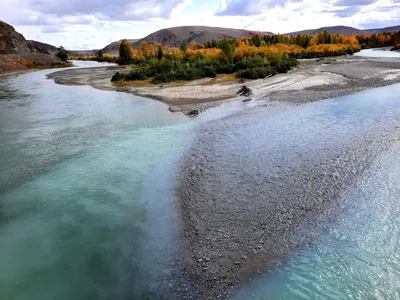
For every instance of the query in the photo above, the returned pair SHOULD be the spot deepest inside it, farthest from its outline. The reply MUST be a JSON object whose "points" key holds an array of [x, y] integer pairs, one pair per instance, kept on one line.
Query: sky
{"points": [[92, 24]]}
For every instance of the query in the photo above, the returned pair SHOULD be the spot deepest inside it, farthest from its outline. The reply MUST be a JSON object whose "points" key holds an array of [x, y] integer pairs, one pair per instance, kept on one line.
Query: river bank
{"points": [[315, 79], [11, 64]]}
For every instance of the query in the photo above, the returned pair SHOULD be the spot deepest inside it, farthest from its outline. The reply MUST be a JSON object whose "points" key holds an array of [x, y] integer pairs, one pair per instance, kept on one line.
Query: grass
{"points": [[222, 78]]}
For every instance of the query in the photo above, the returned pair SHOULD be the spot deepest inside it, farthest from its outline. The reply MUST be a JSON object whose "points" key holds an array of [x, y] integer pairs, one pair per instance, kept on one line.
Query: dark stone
{"points": [[244, 91], [193, 113]]}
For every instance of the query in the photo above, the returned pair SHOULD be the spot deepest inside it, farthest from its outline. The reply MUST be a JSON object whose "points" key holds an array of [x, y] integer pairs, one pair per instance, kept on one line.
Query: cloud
{"points": [[51, 12], [241, 8], [354, 2], [108, 10], [344, 12], [80, 24], [249, 8]]}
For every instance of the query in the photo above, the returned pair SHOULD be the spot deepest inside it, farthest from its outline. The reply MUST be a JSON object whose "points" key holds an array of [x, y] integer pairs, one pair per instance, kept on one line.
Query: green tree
{"points": [[160, 53], [125, 52], [227, 49], [183, 47], [62, 54], [100, 54]]}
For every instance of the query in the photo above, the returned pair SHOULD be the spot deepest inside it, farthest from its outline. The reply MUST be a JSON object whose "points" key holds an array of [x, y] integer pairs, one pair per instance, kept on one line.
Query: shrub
{"points": [[117, 76], [209, 71], [256, 73], [62, 54]]}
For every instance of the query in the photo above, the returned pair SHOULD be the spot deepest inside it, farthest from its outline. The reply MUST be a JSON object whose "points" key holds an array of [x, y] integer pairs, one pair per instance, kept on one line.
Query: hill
{"points": [[113, 48], [43, 47], [175, 36], [333, 29], [345, 30], [385, 29], [16, 53], [12, 42]]}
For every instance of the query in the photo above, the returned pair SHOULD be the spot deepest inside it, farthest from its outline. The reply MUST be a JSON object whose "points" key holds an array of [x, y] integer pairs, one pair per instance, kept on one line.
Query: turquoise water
{"points": [[85, 191], [359, 258], [87, 207]]}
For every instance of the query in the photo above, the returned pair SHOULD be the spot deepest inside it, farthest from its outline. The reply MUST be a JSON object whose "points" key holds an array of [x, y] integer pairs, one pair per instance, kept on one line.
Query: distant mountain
{"points": [[113, 48], [175, 36], [385, 29], [333, 29], [82, 52], [345, 30]]}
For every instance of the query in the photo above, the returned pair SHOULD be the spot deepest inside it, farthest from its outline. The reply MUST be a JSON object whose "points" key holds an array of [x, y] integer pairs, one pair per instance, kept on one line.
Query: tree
{"points": [[160, 53], [100, 54], [125, 52], [183, 47], [227, 49], [62, 54]]}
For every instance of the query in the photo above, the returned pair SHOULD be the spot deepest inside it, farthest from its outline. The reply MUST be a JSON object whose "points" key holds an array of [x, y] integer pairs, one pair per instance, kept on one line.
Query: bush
{"points": [[225, 68], [209, 71], [249, 62], [62, 54], [117, 76], [163, 78], [256, 73]]}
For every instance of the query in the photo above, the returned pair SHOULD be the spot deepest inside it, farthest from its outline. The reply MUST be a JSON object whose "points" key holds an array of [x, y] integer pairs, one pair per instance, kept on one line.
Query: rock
{"points": [[12, 42], [247, 100], [244, 91], [193, 113], [174, 108], [241, 80]]}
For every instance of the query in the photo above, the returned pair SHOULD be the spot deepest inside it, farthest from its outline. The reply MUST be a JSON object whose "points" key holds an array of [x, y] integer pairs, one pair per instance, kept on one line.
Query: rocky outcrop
{"points": [[17, 54], [12, 42]]}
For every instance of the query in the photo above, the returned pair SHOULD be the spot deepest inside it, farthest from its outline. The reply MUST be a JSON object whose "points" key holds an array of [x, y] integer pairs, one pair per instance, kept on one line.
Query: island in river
{"points": [[223, 241]]}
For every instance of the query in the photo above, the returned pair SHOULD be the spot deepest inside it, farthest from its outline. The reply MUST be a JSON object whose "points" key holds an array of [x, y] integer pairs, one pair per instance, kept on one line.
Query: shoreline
{"points": [[315, 79], [15, 64]]}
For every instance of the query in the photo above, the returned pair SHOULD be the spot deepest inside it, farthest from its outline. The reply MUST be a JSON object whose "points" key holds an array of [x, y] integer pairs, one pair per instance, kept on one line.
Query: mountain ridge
{"points": [[346, 30], [175, 36]]}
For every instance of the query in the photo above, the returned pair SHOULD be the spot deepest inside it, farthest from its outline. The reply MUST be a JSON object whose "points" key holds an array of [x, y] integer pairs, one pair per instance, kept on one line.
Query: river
{"points": [[87, 206]]}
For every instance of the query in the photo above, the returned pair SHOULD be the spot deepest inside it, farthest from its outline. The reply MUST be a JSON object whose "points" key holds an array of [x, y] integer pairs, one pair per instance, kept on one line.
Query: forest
{"points": [[257, 57]]}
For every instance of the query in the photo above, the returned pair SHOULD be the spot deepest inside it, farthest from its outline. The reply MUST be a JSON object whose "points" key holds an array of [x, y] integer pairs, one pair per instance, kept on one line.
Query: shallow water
{"points": [[377, 53], [358, 258], [85, 191], [86, 194]]}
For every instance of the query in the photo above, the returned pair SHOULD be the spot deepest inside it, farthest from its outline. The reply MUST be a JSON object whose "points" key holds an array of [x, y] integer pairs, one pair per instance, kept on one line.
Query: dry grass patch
{"points": [[224, 78]]}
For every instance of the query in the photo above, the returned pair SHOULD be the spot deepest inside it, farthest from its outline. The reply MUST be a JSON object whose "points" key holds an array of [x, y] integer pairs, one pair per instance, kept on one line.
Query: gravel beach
{"points": [[244, 210]]}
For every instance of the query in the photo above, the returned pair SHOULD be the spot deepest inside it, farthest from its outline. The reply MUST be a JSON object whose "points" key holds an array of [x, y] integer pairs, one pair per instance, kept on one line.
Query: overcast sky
{"points": [[92, 24]]}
